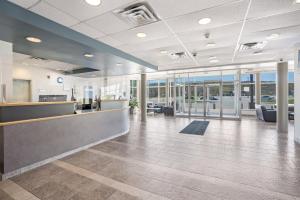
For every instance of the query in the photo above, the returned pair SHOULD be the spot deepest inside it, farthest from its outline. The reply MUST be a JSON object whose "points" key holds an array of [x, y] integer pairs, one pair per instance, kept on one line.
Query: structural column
{"points": [[143, 103], [257, 89], [6, 65], [297, 93], [282, 97]]}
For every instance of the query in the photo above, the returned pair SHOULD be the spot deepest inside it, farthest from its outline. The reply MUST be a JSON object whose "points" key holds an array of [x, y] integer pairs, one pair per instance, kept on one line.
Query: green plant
{"points": [[133, 103]]}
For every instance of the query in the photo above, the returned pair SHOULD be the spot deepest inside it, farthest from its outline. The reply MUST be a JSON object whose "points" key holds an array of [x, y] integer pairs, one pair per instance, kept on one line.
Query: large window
{"points": [[291, 87], [247, 91], [157, 90], [133, 89], [268, 88]]}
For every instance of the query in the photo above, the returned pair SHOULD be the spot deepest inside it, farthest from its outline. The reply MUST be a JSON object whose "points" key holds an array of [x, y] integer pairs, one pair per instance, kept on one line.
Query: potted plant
{"points": [[132, 105]]}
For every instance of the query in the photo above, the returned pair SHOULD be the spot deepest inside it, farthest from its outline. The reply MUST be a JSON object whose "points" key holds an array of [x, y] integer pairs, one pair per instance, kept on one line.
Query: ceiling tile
{"points": [[154, 31], [108, 23], [48, 11], [172, 8], [24, 3], [228, 31], [263, 8], [87, 30], [221, 16], [157, 45], [273, 22], [110, 41], [83, 11], [284, 33]]}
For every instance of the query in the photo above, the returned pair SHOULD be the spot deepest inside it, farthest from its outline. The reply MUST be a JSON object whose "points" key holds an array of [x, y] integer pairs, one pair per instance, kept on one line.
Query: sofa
{"points": [[267, 115]]}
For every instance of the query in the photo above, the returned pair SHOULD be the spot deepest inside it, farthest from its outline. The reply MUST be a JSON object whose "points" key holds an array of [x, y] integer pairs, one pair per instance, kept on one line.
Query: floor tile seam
{"points": [[215, 136], [200, 176], [20, 191], [175, 139], [226, 160], [108, 181], [116, 141], [251, 150]]}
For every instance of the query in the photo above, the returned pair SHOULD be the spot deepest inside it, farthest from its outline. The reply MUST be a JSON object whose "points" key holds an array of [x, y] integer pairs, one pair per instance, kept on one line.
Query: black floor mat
{"points": [[196, 128]]}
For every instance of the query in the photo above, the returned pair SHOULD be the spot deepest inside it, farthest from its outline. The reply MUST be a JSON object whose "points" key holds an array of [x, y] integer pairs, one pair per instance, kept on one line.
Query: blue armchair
{"points": [[267, 115]]}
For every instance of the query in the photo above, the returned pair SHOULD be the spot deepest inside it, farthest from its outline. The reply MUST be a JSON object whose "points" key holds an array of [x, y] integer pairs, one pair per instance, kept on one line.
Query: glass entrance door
{"points": [[208, 95], [182, 96], [212, 99], [197, 100]]}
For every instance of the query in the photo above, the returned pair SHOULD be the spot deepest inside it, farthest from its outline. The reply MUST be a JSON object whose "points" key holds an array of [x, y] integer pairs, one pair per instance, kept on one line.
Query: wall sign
{"points": [[60, 80]]}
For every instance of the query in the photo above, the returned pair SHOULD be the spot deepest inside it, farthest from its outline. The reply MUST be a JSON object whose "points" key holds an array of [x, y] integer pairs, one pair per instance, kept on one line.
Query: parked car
{"points": [[267, 98]]}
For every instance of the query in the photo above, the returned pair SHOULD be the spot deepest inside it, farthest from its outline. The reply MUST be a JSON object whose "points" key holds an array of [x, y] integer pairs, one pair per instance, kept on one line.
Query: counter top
{"points": [[34, 103], [57, 117]]}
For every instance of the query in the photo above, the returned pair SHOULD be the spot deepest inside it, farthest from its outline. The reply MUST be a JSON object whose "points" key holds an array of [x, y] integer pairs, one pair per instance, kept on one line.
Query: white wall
{"points": [[6, 62], [297, 95], [42, 85]]}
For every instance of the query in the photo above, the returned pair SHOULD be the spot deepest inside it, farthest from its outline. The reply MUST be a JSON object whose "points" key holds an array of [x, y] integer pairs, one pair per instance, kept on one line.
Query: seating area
{"points": [[269, 115]]}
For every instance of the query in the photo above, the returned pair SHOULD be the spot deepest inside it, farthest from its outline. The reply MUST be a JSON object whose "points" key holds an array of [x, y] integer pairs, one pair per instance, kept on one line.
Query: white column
{"points": [[6, 66], [282, 97], [143, 97], [257, 89], [297, 94]]}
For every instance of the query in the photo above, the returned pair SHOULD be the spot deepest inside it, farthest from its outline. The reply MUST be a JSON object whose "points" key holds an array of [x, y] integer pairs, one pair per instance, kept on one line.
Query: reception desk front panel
{"points": [[29, 142]]}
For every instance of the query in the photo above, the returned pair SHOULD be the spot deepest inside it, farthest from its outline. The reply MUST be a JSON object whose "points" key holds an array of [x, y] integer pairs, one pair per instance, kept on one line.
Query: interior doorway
{"points": [[21, 90]]}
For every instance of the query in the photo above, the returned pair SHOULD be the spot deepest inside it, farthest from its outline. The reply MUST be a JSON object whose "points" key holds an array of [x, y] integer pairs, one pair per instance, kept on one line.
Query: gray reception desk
{"points": [[26, 144]]}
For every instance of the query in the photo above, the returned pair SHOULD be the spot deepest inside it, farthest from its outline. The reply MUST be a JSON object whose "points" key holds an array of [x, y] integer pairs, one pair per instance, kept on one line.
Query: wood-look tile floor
{"points": [[234, 160]]}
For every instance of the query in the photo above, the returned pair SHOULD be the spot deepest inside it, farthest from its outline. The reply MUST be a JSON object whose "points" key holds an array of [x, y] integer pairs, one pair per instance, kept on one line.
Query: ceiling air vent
{"points": [[177, 55], [38, 58], [138, 14], [80, 71], [253, 46]]}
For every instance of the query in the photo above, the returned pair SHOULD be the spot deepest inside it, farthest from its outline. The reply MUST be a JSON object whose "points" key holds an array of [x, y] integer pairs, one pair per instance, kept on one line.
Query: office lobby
{"points": [[154, 99]]}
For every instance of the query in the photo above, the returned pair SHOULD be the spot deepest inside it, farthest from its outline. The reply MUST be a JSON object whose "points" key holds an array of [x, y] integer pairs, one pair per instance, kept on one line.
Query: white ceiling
{"points": [[178, 30], [26, 60]]}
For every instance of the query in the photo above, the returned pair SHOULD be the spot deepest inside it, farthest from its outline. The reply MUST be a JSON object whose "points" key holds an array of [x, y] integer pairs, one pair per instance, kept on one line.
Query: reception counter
{"points": [[32, 110], [26, 144]]}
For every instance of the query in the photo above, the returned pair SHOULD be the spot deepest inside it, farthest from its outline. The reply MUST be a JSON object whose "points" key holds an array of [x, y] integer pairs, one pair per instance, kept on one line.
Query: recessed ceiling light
{"points": [[273, 36], [141, 35], [119, 64], [88, 55], [33, 39], [93, 2], [214, 61], [204, 21], [163, 52], [211, 44], [297, 1], [212, 58]]}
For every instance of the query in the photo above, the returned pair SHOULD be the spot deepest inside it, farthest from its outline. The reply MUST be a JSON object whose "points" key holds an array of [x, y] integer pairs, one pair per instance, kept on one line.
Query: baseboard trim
{"points": [[44, 162]]}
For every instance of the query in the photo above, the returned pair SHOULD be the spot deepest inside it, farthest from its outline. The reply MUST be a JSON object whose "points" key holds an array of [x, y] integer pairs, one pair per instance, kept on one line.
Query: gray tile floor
{"points": [[233, 160]]}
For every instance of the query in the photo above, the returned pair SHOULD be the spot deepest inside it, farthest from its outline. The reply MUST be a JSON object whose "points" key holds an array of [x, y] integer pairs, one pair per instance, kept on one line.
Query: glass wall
{"points": [[207, 94], [248, 91], [291, 87], [216, 93], [157, 91], [230, 94], [133, 89], [182, 94], [268, 89]]}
